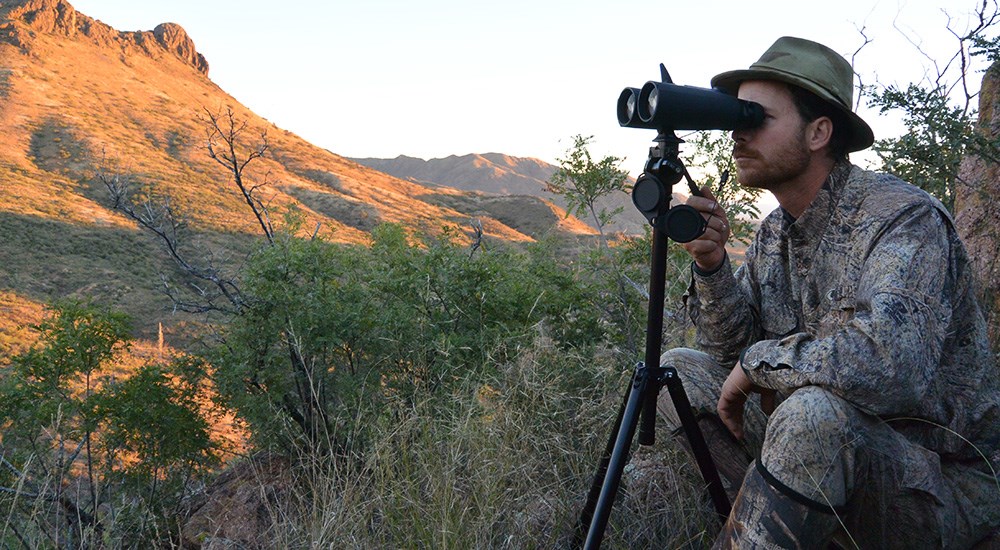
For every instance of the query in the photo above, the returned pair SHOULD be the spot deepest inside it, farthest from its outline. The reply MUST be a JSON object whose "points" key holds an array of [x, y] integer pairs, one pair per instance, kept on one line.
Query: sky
{"points": [[433, 78]]}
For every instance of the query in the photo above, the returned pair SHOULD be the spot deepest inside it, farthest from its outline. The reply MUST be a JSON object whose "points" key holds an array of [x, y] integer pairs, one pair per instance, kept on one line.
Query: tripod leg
{"points": [[698, 445], [587, 514], [610, 477]]}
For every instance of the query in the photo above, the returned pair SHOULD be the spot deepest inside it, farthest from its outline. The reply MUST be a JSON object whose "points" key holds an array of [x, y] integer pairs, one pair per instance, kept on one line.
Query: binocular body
{"points": [[667, 106]]}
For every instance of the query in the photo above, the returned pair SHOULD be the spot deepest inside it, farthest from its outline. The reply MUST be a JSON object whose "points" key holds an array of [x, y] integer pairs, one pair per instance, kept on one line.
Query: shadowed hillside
{"points": [[77, 96]]}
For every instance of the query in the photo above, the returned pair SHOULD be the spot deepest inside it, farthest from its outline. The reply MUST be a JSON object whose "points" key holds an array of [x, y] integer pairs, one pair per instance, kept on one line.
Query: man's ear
{"points": [[818, 133]]}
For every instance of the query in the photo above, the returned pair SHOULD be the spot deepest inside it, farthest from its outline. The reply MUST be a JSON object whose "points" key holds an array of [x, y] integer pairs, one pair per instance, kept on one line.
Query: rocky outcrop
{"points": [[22, 18], [174, 39], [977, 204], [49, 16]]}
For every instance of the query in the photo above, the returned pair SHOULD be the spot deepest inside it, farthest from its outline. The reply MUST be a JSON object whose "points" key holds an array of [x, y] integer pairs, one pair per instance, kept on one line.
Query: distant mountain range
{"points": [[496, 173], [489, 172]]}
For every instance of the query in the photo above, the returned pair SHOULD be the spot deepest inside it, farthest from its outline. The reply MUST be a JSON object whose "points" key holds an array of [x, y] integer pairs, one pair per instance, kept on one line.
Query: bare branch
{"points": [[160, 219], [854, 58], [227, 129], [477, 236], [985, 17]]}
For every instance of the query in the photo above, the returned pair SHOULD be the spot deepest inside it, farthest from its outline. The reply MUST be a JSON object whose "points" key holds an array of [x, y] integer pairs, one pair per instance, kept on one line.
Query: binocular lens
{"points": [[652, 100], [628, 103]]}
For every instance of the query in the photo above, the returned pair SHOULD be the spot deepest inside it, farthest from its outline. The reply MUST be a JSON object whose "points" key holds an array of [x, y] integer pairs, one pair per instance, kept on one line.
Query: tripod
{"points": [[651, 195]]}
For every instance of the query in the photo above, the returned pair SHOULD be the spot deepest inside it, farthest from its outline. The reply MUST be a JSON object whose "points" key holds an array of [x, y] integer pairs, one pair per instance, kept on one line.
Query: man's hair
{"points": [[810, 107]]}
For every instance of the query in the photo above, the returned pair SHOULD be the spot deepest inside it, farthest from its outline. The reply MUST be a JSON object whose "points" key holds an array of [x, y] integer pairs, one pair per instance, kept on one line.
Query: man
{"points": [[854, 311]]}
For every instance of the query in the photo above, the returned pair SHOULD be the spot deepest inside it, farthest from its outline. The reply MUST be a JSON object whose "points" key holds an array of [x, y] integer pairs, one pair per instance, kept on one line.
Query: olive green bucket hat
{"points": [[811, 66]]}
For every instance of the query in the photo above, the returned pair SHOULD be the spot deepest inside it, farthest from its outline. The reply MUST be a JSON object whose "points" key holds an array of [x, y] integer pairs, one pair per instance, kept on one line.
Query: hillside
{"points": [[77, 97], [499, 174]]}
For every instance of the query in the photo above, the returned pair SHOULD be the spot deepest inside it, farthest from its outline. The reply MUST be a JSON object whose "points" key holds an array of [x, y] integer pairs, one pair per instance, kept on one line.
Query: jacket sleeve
{"points": [[884, 357], [723, 310]]}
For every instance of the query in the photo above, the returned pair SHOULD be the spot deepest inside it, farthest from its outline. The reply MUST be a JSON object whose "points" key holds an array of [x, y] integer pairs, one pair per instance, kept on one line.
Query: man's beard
{"points": [[772, 174]]}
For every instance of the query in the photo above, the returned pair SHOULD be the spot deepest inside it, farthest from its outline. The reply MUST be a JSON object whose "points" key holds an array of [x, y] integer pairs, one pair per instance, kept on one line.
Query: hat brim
{"points": [[861, 135]]}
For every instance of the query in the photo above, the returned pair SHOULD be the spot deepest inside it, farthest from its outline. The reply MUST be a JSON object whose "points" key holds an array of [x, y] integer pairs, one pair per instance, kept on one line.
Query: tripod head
{"points": [[653, 191]]}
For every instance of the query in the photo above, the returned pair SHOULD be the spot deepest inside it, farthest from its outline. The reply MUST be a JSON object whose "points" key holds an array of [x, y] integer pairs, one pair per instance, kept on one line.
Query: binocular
{"points": [[666, 107]]}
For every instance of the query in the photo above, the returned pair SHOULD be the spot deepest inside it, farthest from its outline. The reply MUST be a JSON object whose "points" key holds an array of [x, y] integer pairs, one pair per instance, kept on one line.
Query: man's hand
{"points": [[709, 250], [735, 392]]}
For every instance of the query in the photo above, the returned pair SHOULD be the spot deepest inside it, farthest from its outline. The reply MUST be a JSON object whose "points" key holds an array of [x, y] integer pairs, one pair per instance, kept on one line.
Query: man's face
{"points": [[774, 154]]}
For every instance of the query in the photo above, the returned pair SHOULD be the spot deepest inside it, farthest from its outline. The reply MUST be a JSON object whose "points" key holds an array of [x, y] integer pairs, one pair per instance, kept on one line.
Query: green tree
{"points": [[939, 111], [584, 183], [586, 186], [938, 136], [79, 434]]}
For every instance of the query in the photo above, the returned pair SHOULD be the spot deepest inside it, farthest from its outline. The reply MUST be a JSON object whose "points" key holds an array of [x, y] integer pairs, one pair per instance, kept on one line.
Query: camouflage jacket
{"points": [[869, 295]]}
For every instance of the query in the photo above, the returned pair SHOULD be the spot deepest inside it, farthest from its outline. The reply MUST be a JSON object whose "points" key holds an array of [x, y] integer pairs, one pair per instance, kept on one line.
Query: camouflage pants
{"points": [[890, 492]]}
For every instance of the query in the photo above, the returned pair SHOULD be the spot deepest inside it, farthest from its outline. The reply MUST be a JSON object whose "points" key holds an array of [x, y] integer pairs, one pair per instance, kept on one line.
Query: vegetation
{"points": [[583, 182], [336, 333], [445, 397]]}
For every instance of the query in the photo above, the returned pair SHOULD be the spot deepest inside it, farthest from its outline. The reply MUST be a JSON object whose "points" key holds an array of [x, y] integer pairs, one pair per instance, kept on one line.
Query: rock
{"points": [[977, 208], [59, 17], [174, 39], [240, 508], [50, 16]]}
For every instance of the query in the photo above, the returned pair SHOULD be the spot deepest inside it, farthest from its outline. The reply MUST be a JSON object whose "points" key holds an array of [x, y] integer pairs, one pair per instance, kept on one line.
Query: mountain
{"points": [[499, 174], [78, 98], [490, 172]]}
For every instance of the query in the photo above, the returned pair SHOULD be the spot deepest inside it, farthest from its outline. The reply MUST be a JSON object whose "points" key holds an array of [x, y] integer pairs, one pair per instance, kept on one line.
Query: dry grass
{"points": [[508, 465]]}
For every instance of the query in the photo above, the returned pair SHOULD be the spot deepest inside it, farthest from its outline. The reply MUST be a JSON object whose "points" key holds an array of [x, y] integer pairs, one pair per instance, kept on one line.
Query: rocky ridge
{"points": [[24, 19]]}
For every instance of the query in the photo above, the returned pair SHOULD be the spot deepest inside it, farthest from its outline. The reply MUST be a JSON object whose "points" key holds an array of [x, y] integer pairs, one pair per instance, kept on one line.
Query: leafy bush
{"points": [[335, 333], [939, 112], [928, 154]]}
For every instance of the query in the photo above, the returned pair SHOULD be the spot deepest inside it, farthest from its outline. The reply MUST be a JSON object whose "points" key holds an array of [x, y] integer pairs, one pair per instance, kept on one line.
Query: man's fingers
{"points": [[733, 396], [713, 213], [706, 203], [719, 225], [731, 415]]}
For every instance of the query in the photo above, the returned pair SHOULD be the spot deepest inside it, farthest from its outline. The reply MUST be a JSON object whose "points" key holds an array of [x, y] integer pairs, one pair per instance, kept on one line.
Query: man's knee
{"points": [[810, 445], [810, 413], [684, 359]]}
